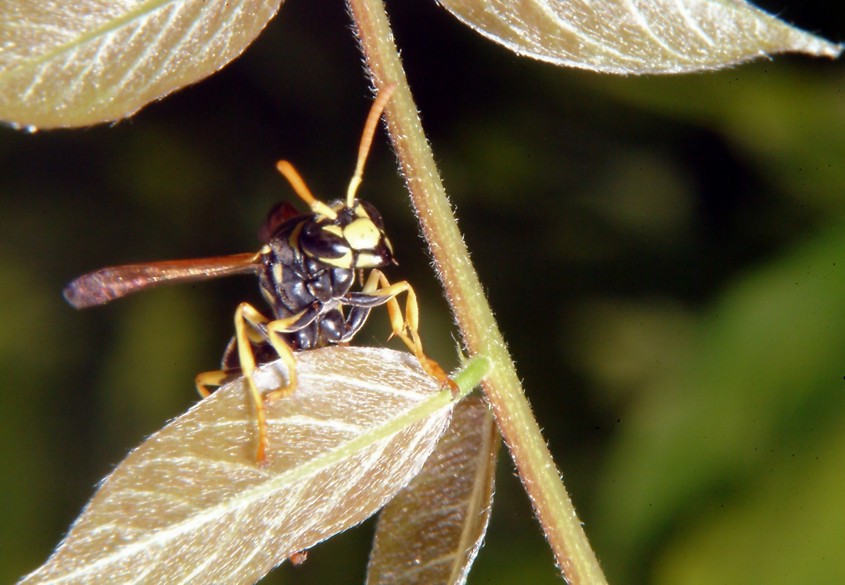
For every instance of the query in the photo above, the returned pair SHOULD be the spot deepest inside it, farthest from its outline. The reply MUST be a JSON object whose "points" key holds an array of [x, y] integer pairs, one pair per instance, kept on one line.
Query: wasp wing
{"points": [[114, 282]]}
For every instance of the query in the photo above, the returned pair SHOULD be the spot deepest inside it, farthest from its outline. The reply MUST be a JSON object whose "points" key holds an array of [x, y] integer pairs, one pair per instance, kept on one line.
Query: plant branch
{"points": [[480, 332]]}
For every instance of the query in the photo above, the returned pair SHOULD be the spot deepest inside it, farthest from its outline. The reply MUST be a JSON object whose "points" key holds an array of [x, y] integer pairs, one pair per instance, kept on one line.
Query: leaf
{"points": [[66, 64], [636, 36], [431, 532], [190, 505]]}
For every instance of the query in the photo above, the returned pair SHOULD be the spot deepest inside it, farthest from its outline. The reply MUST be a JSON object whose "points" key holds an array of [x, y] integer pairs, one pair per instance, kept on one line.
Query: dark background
{"points": [[666, 257]]}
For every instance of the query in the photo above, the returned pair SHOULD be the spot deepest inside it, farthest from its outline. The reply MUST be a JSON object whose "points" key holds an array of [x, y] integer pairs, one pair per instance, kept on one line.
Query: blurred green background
{"points": [[666, 257]]}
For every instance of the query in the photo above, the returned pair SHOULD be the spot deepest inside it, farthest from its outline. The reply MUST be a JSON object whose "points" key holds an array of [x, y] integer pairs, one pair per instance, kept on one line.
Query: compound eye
{"points": [[324, 242]]}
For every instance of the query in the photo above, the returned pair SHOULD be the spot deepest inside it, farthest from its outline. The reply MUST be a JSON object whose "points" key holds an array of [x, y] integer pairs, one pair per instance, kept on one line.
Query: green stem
{"points": [[481, 335]]}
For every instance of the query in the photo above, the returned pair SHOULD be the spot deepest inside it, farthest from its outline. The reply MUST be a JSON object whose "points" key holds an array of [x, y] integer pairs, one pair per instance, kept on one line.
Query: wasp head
{"points": [[351, 237]]}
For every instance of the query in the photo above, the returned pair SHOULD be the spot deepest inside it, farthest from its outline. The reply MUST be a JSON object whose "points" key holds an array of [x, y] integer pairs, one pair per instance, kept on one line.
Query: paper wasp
{"points": [[307, 270]]}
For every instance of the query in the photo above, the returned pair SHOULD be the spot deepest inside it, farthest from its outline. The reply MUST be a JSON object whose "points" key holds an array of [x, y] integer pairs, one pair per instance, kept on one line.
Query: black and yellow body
{"points": [[309, 266], [307, 270]]}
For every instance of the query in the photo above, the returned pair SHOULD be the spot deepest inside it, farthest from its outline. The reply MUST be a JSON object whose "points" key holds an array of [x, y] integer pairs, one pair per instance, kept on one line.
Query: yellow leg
{"points": [[274, 330], [406, 327], [206, 380], [245, 315], [248, 320]]}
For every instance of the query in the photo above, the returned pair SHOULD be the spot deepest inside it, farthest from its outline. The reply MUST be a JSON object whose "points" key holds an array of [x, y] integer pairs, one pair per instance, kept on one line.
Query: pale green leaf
{"points": [[191, 505], [636, 36], [431, 532], [65, 64]]}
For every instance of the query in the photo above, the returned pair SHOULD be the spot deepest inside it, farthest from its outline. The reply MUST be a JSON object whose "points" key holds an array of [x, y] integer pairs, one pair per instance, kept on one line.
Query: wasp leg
{"points": [[206, 380], [356, 318], [404, 327], [249, 325], [230, 367]]}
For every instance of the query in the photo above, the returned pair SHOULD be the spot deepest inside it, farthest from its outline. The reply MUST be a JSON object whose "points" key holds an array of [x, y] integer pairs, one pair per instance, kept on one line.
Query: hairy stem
{"points": [[481, 335]]}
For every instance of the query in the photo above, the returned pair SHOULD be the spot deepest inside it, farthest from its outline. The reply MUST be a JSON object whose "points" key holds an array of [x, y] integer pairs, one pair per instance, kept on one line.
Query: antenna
{"points": [[302, 190], [367, 140]]}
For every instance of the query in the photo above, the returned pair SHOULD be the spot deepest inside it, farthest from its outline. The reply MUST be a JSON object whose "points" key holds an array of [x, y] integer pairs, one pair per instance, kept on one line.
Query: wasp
{"points": [[307, 269]]}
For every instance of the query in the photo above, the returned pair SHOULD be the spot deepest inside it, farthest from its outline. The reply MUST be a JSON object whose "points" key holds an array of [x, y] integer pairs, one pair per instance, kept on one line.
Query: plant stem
{"points": [[481, 335]]}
